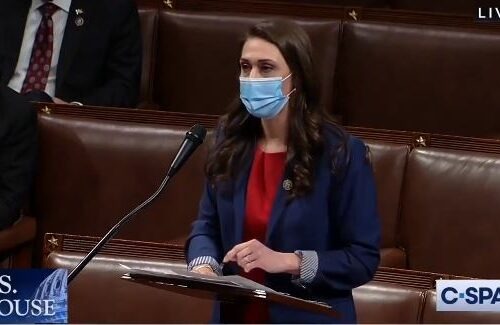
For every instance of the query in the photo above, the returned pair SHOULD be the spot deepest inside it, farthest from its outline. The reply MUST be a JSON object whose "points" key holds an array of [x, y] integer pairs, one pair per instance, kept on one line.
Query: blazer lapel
{"points": [[14, 36], [239, 198], [279, 206], [76, 25], [239, 202]]}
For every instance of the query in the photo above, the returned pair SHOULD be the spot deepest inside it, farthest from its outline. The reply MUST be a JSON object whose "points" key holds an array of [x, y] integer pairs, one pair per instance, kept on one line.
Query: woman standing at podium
{"points": [[290, 197]]}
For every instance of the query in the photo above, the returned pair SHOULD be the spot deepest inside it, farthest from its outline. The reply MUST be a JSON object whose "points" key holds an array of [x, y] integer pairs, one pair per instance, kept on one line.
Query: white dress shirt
{"points": [[32, 22]]}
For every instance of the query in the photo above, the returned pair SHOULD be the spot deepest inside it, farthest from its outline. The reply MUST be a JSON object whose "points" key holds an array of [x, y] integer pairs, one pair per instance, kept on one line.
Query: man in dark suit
{"points": [[17, 153], [81, 51]]}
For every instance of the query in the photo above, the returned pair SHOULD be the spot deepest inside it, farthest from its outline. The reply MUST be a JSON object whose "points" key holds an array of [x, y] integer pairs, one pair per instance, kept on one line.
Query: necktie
{"points": [[41, 55]]}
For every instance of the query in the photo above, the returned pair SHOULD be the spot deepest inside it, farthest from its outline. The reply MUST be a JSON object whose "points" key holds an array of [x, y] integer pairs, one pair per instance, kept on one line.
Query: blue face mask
{"points": [[263, 97]]}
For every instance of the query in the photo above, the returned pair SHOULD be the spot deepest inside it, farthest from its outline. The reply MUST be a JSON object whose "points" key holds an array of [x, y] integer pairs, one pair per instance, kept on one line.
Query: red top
{"points": [[265, 179]]}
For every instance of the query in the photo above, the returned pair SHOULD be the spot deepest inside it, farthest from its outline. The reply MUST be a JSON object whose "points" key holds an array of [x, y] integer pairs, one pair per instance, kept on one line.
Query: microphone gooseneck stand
{"points": [[112, 232]]}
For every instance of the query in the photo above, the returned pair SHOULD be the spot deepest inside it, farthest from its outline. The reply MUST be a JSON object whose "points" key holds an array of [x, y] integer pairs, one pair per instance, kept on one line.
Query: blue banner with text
{"points": [[34, 296]]}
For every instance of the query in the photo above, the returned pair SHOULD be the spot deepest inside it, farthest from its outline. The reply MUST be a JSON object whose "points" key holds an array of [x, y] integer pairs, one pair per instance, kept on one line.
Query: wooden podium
{"points": [[228, 289]]}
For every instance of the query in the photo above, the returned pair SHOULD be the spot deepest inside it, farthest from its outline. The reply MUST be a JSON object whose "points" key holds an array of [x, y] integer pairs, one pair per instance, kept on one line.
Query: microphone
{"points": [[194, 137]]}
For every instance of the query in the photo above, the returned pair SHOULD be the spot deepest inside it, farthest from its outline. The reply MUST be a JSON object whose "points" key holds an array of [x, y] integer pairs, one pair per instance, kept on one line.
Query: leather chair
{"points": [[389, 164], [198, 53], [109, 167], [462, 7], [149, 25], [450, 212], [99, 295], [396, 8], [114, 300], [410, 77], [387, 303], [386, 75]]}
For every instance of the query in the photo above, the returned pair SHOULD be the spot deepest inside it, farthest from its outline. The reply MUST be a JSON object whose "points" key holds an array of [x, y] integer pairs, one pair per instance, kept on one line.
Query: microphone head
{"points": [[197, 133], [194, 137]]}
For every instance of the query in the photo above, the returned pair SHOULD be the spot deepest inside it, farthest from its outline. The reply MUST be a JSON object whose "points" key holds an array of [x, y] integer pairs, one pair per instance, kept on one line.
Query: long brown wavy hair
{"points": [[239, 131]]}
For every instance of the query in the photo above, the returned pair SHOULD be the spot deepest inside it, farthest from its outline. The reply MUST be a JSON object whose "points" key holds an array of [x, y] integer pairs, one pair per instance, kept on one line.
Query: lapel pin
{"points": [[79, 21], [78, 11], [287, 185]]}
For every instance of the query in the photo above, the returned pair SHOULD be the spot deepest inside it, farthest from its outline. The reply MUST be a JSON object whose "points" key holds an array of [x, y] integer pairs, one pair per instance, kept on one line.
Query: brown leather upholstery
{"points": [[450, 212], [91, 172], [408, 77], [375, 8], [465, 7], [348, 3], [149, 26], [389, 163], [387, 75], [392, 256], [387, 303], [431, 316], [409, 278], [157, 4], [453, 13], [98, 295], [197, 67]]}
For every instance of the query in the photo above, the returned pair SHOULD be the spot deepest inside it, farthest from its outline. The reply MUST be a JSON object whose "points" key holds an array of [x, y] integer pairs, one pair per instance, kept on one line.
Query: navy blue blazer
{"points": [[338, 219]]}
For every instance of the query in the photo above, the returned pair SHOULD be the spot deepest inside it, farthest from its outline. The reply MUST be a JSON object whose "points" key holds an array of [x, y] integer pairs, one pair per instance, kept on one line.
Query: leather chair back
{"points": [[387, 303], [410, 77], [149, 25], [91, 172], [99, 295], [198, 58], [450, 212], [389, 164]]}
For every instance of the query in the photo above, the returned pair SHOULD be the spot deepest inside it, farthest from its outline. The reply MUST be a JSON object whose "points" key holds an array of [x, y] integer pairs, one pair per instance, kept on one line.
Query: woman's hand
{"points": [[59, 101], [253, 254], [204, 270]]}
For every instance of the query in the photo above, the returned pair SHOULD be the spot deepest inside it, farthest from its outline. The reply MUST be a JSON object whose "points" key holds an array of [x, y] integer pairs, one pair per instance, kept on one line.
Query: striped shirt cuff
{"points": [[206, 260], [308, 267]]}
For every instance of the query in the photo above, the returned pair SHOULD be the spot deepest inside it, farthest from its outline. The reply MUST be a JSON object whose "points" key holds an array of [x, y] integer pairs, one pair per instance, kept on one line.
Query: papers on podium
{"points": [[182, 273], [226, 288]]}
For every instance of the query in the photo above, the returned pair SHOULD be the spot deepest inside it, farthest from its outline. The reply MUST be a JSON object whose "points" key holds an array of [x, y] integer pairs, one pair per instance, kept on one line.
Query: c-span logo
{"points": [[33, 296], [468, 295]]}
